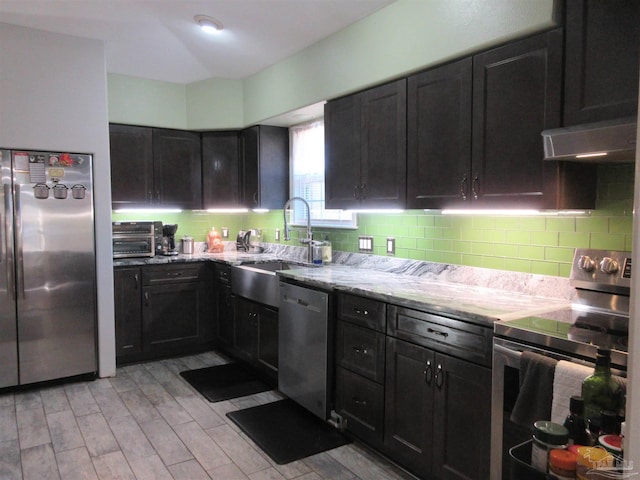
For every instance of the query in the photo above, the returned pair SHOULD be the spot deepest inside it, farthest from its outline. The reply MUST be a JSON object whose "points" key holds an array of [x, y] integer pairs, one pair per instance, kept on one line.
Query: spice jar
{"points": [[563, 464], [546, 437]]}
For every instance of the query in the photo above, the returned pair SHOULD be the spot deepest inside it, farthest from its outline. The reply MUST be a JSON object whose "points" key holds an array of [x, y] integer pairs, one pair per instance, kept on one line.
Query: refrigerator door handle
{"points": [[7, 245], [19, 251]]}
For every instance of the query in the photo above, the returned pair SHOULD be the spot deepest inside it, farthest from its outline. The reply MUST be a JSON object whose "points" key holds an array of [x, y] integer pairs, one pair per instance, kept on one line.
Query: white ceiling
{"points": [[159, 39]]}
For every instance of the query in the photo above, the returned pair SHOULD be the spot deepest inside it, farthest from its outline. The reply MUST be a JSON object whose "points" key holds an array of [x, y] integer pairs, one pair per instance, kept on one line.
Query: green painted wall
{"points": [[406, 36], [540, 244], [138, 101], [215, 104]]}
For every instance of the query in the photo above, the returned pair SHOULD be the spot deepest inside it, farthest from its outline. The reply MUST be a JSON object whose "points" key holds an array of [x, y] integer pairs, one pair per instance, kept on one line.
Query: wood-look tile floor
{"points": [[148, 423]]}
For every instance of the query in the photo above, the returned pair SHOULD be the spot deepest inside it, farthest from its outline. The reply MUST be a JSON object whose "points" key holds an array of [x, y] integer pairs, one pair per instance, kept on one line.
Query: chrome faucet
{"points": [[309, 238]]}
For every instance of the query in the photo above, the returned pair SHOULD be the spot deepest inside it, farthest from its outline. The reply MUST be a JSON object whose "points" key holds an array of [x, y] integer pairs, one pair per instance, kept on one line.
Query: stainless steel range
{"points": [[598, 317]]}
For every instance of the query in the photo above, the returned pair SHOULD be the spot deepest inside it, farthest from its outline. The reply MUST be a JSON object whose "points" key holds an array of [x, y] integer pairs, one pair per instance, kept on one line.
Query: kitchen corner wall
{"points": [[532, 244]]}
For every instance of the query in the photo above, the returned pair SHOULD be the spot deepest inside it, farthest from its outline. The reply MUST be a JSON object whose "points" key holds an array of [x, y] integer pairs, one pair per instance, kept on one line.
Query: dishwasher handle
{"points": [[301, 303]]}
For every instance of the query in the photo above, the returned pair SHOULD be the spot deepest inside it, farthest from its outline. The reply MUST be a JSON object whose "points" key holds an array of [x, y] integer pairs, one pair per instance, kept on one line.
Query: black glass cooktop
{"points": [[571, 331]]}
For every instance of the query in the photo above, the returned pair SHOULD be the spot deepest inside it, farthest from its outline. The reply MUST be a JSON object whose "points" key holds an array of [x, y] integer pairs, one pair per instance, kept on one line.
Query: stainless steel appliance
{"points": [[598, 317], [133, 239], [47, 267], [303, 348]]}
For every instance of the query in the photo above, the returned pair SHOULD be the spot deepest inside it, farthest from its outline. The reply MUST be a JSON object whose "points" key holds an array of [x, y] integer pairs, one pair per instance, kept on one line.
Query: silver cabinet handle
{"points": [[474, 187], [361, 350], [146, 299], [357, 401], [428, 373], [136, 280], [463, 188], [439, 376], [360, 312]]}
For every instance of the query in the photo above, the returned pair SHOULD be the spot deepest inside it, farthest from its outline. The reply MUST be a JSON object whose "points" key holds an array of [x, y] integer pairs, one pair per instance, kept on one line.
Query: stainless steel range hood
{"points": [[602, 142]]}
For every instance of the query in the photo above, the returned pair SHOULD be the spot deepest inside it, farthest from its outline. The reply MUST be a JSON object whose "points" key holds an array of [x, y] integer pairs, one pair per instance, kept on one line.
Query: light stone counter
{"points": [[477, 295]]}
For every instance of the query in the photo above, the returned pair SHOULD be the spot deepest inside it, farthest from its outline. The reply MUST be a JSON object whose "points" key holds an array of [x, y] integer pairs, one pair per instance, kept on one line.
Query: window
{"points": [[307, 178]]}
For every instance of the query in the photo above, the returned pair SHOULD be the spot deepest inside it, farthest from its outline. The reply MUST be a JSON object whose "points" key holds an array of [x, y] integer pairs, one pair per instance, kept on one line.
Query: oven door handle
{"points": [[513, 354]]}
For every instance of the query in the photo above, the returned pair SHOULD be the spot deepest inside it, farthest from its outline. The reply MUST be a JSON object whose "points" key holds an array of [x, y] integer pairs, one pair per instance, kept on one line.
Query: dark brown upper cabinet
{"points": [[602, 58], [473, 134], [264, 166], [439, 135], [155, 167], [131, 166], [220, 169], [365, 149], [516, 95]]}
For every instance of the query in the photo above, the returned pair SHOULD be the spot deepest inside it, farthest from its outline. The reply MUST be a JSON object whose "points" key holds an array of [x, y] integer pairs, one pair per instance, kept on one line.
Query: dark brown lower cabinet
{"points": [[256, 336], [437, 413], [163, 310], [128, 311], [361, 402]]}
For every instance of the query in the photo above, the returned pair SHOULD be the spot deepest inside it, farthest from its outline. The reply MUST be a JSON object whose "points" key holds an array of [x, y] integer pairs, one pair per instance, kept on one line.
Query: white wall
{"points": [[53, 96]]}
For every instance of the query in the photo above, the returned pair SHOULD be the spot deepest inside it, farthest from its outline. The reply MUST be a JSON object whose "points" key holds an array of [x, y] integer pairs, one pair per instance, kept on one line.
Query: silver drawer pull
{"points": [[360, 312], [437, 332], [357, 401], [361, 350]]}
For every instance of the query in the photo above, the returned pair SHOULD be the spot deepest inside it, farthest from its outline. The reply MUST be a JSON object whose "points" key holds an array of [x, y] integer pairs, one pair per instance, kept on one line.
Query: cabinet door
{"points": [[131, 166], [383, 148], [226, 327], [128, 311], [462, 422], [602, 57], [220, 169], [361, 402], [171, 317], [409, 408], [516, 95], [439, 136], [265, 166], [267, 354], [342, 152], [177, 168], [361, 350], [246, 334]]}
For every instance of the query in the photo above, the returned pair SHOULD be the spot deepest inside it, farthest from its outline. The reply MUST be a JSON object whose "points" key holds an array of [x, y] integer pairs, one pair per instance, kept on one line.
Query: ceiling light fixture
{"points": [[208, 24]]}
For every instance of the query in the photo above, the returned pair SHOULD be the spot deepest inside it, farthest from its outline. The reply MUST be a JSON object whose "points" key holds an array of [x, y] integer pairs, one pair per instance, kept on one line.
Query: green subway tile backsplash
{"points": [[539, 244]]}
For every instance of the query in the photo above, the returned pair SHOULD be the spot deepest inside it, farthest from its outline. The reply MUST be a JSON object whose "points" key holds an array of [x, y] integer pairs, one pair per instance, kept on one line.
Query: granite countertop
{"points": [[479, 305], [465, 293]]}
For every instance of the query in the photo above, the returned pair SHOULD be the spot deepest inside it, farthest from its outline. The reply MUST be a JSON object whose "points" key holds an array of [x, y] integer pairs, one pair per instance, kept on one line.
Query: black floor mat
{"points": [[286, 431], [224, 382]]}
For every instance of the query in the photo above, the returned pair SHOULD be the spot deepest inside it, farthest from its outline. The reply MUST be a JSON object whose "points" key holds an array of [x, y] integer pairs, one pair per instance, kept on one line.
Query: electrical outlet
{"points": [[277, 234], [365, 243], [391, 246], [225, 232]]}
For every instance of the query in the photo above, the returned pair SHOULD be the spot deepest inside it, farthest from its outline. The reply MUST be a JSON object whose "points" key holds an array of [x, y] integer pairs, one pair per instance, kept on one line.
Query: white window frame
{"points": [[306, 174]]}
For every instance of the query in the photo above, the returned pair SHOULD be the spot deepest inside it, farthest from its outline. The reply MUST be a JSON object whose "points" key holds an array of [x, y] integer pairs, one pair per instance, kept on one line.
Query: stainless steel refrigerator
{"points": [[47, 267]]}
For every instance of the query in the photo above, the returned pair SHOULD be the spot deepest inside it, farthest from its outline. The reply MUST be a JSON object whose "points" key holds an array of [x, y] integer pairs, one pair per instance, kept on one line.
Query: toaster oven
{"points": [[135, 239]]}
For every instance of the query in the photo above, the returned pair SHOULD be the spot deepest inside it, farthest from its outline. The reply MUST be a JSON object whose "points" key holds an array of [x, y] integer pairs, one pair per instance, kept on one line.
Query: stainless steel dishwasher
{"points": [[303, 349]]}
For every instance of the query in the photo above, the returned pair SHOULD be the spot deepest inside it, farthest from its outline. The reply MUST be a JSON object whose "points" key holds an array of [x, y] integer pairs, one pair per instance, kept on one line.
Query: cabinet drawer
{"points": [[361, 350], [361, 402], [457, 338], [362, 311], [180, 273]]}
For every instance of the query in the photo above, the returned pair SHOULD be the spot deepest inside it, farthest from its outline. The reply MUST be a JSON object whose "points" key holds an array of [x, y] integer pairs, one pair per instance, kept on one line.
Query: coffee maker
{"points": [[169, 239]]}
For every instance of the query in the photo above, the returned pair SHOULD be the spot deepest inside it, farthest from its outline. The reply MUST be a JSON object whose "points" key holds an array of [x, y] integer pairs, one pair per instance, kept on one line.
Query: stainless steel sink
{"points": [[259, 281]]}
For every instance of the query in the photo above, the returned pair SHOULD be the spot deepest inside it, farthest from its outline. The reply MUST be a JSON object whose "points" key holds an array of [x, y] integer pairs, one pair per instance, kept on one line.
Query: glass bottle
{"points": [[575, 422], [600, 390]]}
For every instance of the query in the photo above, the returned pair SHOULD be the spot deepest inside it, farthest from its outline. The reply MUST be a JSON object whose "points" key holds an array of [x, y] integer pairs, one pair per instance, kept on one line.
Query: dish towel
{"points": [[536, 389], [567, 382]]}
